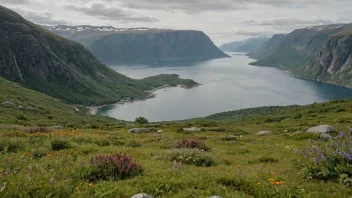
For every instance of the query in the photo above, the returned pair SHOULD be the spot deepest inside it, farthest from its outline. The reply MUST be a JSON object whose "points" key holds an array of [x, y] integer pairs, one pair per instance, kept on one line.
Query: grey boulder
{"points": [[141, 130], [8, 103], [141, 196], [321, 129], [215, 197], [192, 129], [264, 133]]}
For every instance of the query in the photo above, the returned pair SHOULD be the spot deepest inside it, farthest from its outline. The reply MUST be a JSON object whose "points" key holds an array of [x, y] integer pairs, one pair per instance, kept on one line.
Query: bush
{"points": [[41, 129], [102, 142], [114, 167], [190, 156], [192, 144], [268, 160], [330, 160], [57, 145], [141, 120], [39, 153], [15, 145], [134, 144]]}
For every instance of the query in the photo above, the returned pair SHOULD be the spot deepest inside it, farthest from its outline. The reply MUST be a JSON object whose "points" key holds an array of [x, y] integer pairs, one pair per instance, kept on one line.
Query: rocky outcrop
{"points": [[116, 46], [264, 133]]}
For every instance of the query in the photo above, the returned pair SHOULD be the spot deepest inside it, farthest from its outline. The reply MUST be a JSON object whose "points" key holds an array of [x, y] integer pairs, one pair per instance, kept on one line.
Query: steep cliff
{"points": [[43, 61], [141, 45], [320, 53]]}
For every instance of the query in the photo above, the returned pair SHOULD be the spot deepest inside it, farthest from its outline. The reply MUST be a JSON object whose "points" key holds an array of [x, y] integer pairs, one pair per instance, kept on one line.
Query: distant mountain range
{"points": [[140, 45], [43, 61], [248, 45], [322, 53]]}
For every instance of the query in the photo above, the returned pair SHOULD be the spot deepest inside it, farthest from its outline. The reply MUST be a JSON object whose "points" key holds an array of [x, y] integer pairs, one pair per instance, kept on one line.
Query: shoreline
{"points": [[93, 110]]}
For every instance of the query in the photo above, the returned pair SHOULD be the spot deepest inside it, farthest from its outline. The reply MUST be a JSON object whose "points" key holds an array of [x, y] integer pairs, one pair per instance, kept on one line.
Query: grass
{"points": [[240, 164]]}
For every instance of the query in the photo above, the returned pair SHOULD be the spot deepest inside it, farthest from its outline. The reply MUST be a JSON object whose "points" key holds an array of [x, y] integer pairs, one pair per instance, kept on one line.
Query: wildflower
{"points": [[258, 183], [49, 155], [8, 172], [273, 173], [271, 179]]}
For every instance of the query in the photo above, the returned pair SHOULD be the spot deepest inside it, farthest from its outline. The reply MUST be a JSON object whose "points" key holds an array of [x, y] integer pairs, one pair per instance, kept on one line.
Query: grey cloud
{"points": [[287, 24], [16, 2], [243, 32], [42, 17], [106, 11]]}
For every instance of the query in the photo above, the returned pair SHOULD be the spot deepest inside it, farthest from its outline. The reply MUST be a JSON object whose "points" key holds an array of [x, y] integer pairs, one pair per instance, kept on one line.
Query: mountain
{"points": [[141, 45], [41, 60], [320, 53], [248, 45]]}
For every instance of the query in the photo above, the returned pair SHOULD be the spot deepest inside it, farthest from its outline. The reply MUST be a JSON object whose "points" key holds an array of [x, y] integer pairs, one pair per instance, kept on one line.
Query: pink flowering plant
{"points": [[114, 167]]}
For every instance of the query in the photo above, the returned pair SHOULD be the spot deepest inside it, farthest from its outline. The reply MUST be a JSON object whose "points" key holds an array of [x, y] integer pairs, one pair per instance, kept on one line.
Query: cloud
{"points": [[244, 32], [287, 23], [16, 2], [109, 11], [43, 17]]}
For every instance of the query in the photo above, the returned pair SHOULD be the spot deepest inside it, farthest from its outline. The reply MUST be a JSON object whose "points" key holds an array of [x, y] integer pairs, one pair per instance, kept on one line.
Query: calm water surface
{"points": [[228, 84]]}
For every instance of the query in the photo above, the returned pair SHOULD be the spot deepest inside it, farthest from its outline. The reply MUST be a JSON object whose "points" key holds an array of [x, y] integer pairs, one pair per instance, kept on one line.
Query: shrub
{"points": [[141, 120], [192, 144], [39, 153], [114, 167], [268, 160], [15, 145], [330, 160], [134, 143], [2, 147], [57, 145], [229, 138], [102, 142], [190, 156]]}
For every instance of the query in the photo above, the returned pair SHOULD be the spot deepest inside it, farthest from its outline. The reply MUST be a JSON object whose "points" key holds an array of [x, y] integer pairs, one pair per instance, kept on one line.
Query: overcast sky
{"points": [[222, 20]]}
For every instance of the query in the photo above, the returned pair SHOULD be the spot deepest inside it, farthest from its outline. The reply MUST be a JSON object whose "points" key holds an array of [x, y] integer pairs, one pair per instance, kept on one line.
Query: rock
{"points": [[192, 129], [215, 197], [296, 133], [8, 103], [57, 127], [326, 136], [141, 130], [159, 131], [141, 196], [20, 107], [264, 133], [321, 129]]}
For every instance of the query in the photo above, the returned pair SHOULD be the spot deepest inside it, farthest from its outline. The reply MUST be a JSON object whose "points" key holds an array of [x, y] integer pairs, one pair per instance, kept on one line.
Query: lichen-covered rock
{"points": [[142, 130], [321, 129], [141, 195], [264, 133], [193, 129]]}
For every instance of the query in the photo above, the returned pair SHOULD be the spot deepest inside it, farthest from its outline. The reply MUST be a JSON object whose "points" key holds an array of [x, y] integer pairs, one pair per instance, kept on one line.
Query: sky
{"points": [[222, 20]]}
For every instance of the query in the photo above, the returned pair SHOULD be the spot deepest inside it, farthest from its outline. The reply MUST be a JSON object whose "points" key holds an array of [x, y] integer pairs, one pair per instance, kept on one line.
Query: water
{"points": [[228, 84]]}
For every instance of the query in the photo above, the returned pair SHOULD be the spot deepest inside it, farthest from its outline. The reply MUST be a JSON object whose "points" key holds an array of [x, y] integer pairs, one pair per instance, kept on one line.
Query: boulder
{"points": [[193, 129], [215, 197], [264, 133], [8, 103], [20, 107], [321, 129], [141, 196], [159, 131], [142, 130], [57, 127]]}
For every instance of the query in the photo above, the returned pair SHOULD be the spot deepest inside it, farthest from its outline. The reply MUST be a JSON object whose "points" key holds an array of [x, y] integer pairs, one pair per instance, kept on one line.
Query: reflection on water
{"points": [[228, 84]]}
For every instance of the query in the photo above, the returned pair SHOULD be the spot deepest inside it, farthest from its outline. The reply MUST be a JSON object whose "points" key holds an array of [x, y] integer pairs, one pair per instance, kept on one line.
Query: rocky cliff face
{"points": [[320, 53], [115, 46], [333, 62]]}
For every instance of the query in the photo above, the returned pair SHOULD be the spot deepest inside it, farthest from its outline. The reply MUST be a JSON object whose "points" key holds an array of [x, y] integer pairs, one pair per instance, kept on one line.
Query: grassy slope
{"points": [[43, 110], [235, 175]]}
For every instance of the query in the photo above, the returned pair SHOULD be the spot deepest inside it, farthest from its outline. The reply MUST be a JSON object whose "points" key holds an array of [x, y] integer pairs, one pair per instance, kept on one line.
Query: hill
{"points": [[248, 45], [41, 60], [141, 45], [320, 53]]}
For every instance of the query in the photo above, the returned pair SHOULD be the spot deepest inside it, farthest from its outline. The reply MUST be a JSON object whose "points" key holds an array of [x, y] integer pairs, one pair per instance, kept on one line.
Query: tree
{"points": [[141, 120]]}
